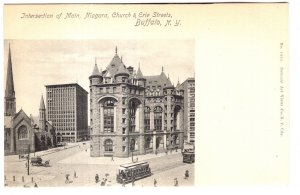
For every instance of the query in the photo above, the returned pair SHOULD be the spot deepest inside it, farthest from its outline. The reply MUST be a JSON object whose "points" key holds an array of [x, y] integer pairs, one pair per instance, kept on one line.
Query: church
{"points": [[22, 133], [132, 114]]}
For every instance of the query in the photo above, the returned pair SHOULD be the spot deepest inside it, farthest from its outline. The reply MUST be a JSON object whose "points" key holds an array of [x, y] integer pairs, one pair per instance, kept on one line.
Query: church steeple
{"points": [[42, 115], [9, 100]]}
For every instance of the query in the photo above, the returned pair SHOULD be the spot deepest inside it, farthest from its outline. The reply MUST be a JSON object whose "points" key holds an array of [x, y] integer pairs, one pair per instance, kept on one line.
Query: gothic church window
{"points": [[23, 132]]}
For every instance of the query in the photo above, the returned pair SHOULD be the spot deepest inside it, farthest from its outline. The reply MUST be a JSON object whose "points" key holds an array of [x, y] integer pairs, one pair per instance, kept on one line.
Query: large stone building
{"points": [[21, 133], [189, 109], [67, 109], [132, 114]]}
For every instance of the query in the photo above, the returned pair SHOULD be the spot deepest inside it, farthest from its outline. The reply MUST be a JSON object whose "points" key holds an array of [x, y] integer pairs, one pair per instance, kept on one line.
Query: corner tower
{"points": [[9, 99]]}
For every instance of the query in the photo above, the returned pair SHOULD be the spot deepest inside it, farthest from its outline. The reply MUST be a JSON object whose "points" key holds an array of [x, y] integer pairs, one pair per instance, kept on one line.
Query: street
{"points": [[81, 168]]}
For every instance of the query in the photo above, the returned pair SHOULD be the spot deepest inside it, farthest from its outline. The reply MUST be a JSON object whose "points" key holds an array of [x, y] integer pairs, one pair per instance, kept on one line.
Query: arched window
{"points": [[132, 111], [108, 145], [147, 119], [132, 145], [158, 118], [147, 142], [108, 115], [176, 111], [23, 132]]}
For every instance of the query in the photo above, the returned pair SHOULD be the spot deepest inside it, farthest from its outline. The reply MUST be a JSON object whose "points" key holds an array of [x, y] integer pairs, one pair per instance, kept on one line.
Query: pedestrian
{"points": [[123, 182], [26, 165], [166, 152], [67, 179], [103, 182], [186, 175], [137, 159], [133, 184], [175, 182], [97, 178], [112, 158], [154, 182], [75, 176], [35, 185]]}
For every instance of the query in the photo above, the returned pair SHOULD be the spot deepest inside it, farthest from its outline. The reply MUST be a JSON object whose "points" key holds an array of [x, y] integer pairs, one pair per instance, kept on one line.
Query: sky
{"points": [[37, 63]]}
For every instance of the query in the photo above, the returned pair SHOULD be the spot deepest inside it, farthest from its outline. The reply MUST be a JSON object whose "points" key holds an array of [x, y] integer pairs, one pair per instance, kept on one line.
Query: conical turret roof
{"points": [[139, 74], [96, 71]]}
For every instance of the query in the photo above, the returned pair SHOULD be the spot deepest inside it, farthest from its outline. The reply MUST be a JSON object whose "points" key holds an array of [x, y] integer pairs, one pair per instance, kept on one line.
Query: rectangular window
{"points": [[123, 148], [123, 130], [123, 110], [114, 89]]}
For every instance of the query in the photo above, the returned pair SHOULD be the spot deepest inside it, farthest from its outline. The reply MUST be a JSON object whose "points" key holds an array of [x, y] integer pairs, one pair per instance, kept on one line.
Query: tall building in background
{"points": [[67, 109], [189, 109]]}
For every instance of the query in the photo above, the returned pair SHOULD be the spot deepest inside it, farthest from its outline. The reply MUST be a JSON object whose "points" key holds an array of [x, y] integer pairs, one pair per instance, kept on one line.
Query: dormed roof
{"points": [[122, 70], [157, 80], [116, 65]]}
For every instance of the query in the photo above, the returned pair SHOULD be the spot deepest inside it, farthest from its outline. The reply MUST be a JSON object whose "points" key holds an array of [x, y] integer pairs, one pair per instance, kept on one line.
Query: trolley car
{"points": [[131, 172], [188, 156]]}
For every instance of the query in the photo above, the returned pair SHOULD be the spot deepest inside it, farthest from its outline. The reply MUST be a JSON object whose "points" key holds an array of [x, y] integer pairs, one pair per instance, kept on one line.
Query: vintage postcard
{"points": [[145, 95]]}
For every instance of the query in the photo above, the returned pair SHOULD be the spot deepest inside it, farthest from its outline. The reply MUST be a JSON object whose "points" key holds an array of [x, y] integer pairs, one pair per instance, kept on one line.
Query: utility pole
{"points": [[28, 159]]}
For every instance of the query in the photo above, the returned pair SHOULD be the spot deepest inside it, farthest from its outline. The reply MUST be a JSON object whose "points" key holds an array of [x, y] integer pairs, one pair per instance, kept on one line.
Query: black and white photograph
{"points": [[94, 113], [135, 96]]}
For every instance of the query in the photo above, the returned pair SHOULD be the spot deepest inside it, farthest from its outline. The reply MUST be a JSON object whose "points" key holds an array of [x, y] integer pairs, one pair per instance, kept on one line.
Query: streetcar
{"points": [[132, 172], [188, 153], [188, 156]]}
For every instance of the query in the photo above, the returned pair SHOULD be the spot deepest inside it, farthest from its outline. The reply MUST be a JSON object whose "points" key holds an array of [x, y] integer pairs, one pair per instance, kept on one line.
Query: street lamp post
{"points": [[28, 157]]}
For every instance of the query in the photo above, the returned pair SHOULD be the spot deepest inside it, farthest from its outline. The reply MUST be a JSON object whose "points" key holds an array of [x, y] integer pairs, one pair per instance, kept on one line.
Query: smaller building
{"points": [[67, 109]]}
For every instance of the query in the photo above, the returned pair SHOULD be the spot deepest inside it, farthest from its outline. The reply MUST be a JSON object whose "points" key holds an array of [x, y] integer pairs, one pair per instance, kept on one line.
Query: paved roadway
{"points": [[165, 168]]}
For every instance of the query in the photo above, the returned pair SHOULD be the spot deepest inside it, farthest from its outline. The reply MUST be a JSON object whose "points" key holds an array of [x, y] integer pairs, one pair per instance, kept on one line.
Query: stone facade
{"points": [[132, 114]]}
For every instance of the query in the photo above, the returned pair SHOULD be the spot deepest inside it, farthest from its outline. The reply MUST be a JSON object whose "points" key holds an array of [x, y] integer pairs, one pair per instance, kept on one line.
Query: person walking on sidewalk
{"points": [[97, 178], [75, 176], [154, 182], [186, 175], [67, 179], [175, 182]]}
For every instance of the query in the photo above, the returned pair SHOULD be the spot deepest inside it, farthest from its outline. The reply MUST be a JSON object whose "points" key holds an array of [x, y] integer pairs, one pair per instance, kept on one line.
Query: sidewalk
{"points": [[15, 158], [83, 157]]}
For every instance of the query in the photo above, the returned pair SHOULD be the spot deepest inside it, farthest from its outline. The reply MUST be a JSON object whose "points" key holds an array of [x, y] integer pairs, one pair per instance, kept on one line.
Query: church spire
{"points": [[42, 115], [9, 99], [10, 90], [42, 104]]}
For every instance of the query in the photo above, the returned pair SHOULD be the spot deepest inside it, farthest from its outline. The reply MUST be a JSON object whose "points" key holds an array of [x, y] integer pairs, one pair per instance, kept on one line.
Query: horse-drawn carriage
{"points": [[38, 161]]}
